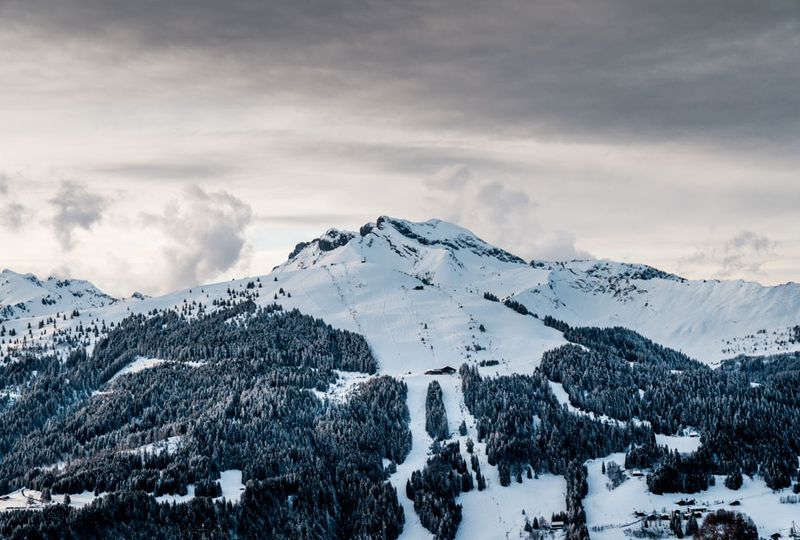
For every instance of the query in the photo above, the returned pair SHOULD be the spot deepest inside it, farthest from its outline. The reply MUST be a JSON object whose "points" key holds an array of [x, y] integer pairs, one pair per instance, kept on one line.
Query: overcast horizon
{"points": [[156, 145]]}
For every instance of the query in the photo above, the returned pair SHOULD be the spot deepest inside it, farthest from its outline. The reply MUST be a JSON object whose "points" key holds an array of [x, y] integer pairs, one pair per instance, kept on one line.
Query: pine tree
{"points": [[435, 413], [505, 474], [734, 480], [691, 526]]}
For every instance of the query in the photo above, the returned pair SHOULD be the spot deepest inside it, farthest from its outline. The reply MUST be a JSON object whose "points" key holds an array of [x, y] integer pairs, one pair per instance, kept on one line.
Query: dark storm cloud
{"points": [[722, 70], [75, 208]]}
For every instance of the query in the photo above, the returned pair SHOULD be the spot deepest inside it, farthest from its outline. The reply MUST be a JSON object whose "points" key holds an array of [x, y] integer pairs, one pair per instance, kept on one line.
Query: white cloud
{"points": [[506, 216], [205, 235], [743, 255]]}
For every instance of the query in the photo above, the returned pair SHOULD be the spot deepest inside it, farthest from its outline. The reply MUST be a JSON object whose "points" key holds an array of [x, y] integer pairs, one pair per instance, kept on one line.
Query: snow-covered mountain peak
{"points": [[329, 241], [431, 250], [436, 232], [27, 295], [623, 281]]}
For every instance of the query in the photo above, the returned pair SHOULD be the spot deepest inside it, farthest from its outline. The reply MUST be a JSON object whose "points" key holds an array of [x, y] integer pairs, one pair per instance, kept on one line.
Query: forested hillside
{"points": [[236, 392], [745, 428]]}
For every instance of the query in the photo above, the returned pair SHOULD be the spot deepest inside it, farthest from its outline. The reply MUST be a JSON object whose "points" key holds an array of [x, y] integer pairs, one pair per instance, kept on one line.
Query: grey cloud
{"points": [[75, 208], [4, 181], [720, 70], [14, 216], [164, 171], [710, 79], [451, 177], [505, 216], [748, 240], [205, 232], [746, 253], [325, 220], [404, 156]]}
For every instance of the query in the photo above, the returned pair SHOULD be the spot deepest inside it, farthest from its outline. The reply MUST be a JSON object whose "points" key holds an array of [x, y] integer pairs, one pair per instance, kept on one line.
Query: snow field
{"points": [[168, 445], [615, 509], [29, 499], [140, 364], [344, 386], [230, 482]]}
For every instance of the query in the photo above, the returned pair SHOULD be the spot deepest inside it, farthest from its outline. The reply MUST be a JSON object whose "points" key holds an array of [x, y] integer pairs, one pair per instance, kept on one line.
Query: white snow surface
{"points": [[140, 364], [30, 499], [707, 319], [683, 444], [415, 292], [344, 386], [168, 445], [230, 482]]}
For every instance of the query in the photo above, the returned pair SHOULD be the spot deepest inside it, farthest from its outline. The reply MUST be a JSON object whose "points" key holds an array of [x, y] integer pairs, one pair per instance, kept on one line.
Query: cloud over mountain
{"points": [[205, 234], [75, 208], [507, 216]]}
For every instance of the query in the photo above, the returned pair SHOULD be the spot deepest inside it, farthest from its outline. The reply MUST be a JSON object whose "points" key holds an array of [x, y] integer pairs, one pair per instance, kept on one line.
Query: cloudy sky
{"points": [[155, 144]]}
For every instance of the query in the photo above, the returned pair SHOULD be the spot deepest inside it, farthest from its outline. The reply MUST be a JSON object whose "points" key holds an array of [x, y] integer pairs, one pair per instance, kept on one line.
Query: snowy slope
{"points": [[610, 513], [415, 291], [707, 319]]}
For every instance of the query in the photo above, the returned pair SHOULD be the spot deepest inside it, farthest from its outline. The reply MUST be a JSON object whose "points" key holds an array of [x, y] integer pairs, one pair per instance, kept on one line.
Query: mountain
{"points": [[708, 319], [431, 295]]}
